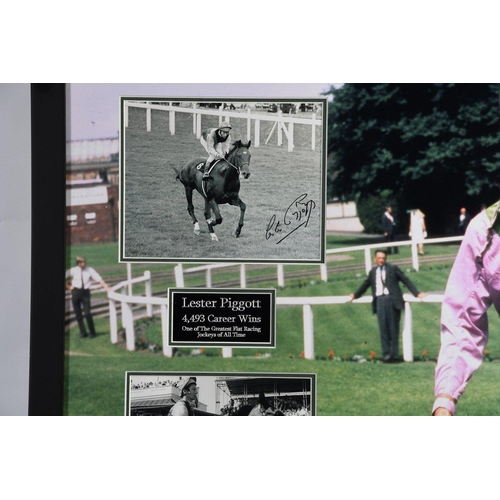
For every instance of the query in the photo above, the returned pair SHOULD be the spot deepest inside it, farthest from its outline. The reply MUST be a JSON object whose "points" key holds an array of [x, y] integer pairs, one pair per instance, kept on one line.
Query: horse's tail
{"points": [[177, 177]]}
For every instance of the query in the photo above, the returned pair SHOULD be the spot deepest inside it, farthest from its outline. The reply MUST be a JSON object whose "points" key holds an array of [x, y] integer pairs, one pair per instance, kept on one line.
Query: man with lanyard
{"points": [[473, 285], [217, 142], [189, 398], [81, 277], [387, 302]]}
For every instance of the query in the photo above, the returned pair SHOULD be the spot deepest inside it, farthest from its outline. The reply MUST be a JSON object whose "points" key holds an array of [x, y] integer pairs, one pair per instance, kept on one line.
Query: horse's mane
{"points": [[237, 145]]}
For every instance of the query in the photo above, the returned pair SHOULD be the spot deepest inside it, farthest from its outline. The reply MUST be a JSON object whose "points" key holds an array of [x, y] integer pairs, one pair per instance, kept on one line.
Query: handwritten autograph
{"points": [[299, 211]]}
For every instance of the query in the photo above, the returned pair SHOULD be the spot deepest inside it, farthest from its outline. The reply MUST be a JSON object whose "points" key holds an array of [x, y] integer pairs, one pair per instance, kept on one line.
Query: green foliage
{"points": [[435, 146], [371, 208]]}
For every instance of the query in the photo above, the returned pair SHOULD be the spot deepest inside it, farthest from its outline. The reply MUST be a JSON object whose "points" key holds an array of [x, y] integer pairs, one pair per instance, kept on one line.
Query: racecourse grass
{"points": [[95, 382], [95, 369]]}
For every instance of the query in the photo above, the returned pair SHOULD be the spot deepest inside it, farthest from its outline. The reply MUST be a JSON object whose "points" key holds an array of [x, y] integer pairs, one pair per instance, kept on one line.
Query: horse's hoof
{"points": [[197, 232], [214, 237]]}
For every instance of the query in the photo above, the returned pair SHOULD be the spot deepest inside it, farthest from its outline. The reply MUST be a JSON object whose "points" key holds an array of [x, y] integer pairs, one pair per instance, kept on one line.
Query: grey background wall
{"points": [[15, 247]]}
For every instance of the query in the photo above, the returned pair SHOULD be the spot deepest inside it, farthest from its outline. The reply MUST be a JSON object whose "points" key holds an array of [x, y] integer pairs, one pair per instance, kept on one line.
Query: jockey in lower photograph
{"points": [[217, 142]]}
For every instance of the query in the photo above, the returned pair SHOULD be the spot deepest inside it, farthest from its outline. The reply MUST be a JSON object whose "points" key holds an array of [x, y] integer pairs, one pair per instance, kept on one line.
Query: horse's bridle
{"points": [[238, 169]]}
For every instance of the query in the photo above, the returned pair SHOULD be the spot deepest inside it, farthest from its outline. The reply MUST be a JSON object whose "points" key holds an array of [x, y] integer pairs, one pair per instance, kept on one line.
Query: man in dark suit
{"points": [[389, 228], [387, 301]]}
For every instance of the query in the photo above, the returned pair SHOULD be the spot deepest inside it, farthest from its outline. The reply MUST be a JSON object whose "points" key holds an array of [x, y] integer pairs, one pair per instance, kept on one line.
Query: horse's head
{"points": [[240, 157]]}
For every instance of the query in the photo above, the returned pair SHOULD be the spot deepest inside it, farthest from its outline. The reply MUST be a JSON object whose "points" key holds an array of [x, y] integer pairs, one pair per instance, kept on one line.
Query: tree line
{"points": [[432, 146]]}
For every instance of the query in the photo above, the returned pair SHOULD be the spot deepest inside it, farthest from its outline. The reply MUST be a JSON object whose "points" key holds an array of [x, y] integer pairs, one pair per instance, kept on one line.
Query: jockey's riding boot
{"points": [[205, 171]]}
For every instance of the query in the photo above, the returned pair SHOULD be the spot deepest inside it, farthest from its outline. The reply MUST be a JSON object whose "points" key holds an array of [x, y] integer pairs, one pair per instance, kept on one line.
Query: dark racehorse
{"points": [[223, 185]]}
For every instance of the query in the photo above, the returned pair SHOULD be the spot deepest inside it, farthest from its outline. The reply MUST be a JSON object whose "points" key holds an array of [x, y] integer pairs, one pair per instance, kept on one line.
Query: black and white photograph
{"points": [[182, 394], [239, 180]]}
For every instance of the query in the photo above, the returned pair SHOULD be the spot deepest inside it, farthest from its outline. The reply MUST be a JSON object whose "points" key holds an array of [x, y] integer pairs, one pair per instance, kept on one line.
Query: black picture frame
{"points": [[48, 143]]}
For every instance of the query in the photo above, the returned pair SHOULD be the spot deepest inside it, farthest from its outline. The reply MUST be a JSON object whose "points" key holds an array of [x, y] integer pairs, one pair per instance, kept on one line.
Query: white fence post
{"points": [[171, 122], [257, 134], [227, 352], [167, 351], [313, 132], [408, 333], [113, 322], [368, 260], [129, 277], [308, 332], [179, 276], [128, 323], [243, 276], [194, 118], [209, 278], [414, 256], [149, 293], [148, 119], [280, 131], [290, 137], [324, 272], [249, 124], [198, 125], [281, 276]]}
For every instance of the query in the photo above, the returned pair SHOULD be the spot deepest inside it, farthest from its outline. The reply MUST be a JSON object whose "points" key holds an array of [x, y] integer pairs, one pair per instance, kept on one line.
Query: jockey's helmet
{"points": [[225, 126]]}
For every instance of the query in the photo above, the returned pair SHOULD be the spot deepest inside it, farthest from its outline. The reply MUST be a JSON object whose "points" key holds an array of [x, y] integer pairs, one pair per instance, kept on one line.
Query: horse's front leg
{"points": [[239, 203], [189, 197], [209, 206]]}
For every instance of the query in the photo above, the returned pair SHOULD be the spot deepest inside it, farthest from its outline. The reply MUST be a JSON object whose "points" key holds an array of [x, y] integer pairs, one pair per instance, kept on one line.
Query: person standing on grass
{"points": [[189, 399], [78, 281], [389, 228], [473, 286], [418, 229], [387, 302]]}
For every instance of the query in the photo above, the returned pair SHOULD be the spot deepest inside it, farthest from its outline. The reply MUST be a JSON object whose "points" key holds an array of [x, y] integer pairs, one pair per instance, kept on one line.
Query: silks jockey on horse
{"points": [[217, 143]]}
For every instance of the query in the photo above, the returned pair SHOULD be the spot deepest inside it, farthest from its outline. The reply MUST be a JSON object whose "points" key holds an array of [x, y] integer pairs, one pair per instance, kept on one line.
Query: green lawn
{"points": [[95, 369]]}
